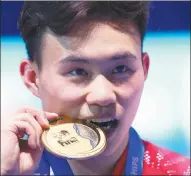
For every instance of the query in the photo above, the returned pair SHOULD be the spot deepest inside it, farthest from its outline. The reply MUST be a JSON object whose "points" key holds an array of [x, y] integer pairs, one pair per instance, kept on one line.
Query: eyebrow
{"points": [[82, 59]]}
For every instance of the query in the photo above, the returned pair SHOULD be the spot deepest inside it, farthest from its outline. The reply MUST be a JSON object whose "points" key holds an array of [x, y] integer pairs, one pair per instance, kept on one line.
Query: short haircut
{"points": [[62, 17]]}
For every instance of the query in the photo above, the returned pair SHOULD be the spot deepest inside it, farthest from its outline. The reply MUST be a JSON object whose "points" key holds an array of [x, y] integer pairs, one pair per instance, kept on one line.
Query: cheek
{"points": [[64, 93], [130, 94], [69, 93], [59, 95], [132, 87]]}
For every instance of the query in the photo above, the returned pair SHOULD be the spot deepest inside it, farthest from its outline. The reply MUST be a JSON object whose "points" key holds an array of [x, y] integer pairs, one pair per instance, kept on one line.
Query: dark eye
{"points": [[78, 72], [120, 69]]}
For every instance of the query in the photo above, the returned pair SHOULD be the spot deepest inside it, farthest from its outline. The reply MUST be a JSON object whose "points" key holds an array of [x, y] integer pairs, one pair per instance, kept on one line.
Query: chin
{"points": [[109, 151], [115, 144]]}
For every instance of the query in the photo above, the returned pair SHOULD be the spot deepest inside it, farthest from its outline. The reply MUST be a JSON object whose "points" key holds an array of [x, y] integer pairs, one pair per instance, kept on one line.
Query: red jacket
{"points": [[158, 161]]}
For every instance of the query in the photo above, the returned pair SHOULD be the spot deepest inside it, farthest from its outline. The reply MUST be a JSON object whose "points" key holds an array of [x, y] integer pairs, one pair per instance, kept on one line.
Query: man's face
{"points": [[101, 78]]}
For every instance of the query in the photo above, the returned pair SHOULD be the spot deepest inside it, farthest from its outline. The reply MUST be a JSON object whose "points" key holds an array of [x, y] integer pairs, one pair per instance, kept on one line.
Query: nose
{"points": [[100, 92]]}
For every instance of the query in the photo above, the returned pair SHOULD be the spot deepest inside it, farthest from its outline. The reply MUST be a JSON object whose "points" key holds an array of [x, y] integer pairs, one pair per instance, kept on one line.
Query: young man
{"points": [[85, 62]]}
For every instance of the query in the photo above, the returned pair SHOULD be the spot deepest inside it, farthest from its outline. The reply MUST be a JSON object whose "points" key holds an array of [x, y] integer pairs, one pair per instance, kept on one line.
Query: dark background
{"points": [[164, 16]]}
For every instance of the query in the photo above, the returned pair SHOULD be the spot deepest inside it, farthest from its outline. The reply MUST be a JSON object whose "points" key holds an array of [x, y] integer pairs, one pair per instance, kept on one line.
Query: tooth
{"points": [[106, 120], [101, 120]]}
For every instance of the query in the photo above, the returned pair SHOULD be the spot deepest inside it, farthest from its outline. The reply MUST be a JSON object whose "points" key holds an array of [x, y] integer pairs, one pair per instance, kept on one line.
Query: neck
{"points": [[100, 165], [92, 166]]}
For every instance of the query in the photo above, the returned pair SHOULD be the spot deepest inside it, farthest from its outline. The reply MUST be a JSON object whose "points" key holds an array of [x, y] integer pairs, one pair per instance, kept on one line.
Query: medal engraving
{"points": [[70, 141], [74, 140], [86, 133], [60, 135]]}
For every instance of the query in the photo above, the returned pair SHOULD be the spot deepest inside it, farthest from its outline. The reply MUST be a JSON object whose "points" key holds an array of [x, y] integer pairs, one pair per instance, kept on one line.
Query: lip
{"points": [[100, 117], [88, 118], [101, 120]]}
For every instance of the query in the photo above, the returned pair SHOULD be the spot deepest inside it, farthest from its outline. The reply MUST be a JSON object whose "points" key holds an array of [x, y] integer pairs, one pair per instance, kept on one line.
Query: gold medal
{"points": [[74, 139]]}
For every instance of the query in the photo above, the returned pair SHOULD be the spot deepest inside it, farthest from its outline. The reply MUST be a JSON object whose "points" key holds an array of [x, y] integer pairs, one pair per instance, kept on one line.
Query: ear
{"points": [[146, 64], [29, 74]]}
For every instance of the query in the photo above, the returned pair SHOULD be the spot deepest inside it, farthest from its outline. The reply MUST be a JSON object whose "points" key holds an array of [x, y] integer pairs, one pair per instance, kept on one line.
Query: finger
{"points": [[51, 115], [36, 126], [41, 116], [33, 111], [18, 127], [21, 135]]}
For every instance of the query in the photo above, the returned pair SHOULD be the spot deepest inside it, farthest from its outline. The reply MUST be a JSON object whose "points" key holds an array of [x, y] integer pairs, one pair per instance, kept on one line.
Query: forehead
{"points": [[102, 42]]}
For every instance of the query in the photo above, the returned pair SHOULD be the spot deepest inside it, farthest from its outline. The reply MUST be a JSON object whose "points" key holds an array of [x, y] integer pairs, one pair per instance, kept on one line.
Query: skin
{"points": [[104, 80], [16, 152]]}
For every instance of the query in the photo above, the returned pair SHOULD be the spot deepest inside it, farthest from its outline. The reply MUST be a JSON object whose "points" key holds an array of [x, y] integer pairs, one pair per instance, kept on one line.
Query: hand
{"points": [[20, 156]]}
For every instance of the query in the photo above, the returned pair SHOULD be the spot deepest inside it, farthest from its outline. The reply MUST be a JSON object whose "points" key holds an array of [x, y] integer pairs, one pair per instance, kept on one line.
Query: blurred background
{"points": [[164, 113]]}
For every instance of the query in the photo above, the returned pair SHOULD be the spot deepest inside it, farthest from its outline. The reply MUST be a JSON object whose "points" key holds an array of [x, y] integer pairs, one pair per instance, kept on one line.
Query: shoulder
{"points": [[163, 161]]}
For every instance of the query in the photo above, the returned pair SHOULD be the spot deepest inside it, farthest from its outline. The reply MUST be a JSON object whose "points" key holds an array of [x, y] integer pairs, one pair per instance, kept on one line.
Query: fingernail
{"points": [[46, 121], [46, 125], [54, 114]]}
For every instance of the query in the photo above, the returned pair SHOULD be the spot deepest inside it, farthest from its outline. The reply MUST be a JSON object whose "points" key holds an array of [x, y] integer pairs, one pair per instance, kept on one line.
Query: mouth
{"points": [[106, 125]]}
